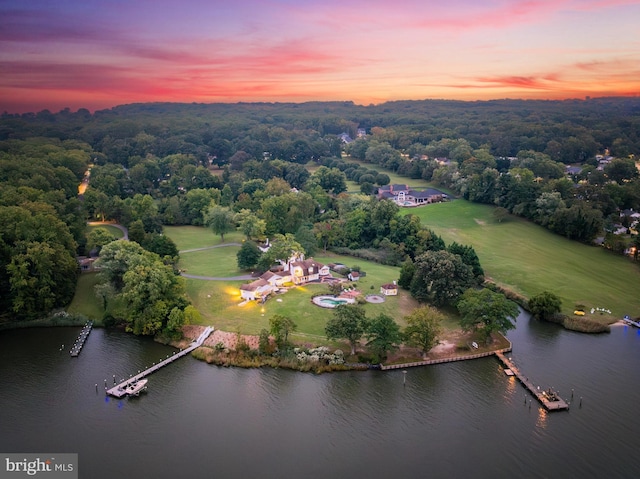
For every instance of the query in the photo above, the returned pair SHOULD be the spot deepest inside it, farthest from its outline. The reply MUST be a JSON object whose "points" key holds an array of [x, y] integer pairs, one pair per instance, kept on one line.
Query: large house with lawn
{"points": [[402, 195], [305, 270], [297, 271], [256, 290]]}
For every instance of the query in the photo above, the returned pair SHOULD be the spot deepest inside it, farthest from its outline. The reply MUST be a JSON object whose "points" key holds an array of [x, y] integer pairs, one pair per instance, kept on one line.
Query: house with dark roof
{"points": [[402, 195], [390, 289]]}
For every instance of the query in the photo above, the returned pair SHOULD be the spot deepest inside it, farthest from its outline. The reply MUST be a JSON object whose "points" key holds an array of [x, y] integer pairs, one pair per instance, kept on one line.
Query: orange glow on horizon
{"points": [[253, 51]]}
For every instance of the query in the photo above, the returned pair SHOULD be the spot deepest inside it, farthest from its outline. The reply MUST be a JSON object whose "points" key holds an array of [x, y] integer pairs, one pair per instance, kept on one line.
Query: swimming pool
{"points": [[327, 301]]}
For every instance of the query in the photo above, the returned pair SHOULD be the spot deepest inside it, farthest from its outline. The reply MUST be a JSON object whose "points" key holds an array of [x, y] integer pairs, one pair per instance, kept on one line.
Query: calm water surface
{"points": [[202, 421]]}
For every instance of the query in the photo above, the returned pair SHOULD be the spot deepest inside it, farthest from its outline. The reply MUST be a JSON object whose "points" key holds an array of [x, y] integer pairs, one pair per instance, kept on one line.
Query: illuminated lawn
{"points": [[218, 301], [529, 259]]}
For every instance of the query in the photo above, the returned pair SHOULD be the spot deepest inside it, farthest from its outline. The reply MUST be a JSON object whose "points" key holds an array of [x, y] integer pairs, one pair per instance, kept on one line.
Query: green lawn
{"points": [[211, 262], [85, 301], [191, 237], [529, 259], [218, 301]]}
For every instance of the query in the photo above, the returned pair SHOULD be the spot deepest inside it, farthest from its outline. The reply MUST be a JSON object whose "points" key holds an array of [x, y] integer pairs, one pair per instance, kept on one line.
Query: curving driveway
{"points": [[124, 230]]}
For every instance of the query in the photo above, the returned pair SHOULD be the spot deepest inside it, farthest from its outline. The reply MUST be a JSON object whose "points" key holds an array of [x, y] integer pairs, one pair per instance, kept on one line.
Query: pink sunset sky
{"points": [[96, 54]]}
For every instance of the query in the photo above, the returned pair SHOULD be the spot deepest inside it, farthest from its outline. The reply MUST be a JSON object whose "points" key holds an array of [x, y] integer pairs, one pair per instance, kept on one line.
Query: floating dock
{"points": [[120, 390], [630, 321], [548, 398], [82, 337]]}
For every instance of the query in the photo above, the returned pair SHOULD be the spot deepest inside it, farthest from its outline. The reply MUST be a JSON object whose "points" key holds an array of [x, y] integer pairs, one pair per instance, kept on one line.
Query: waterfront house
{"points": [[305, 270], [256, 290]]}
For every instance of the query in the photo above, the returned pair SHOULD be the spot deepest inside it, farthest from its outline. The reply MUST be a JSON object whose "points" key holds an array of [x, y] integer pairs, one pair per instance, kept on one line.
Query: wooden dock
{"points": [[429, 362], [548, 398], [119, 390], [82, 337]]}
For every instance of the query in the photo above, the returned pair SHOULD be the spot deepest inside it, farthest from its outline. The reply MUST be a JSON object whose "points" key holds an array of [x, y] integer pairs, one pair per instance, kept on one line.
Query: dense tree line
{"points": [[278, 169]]}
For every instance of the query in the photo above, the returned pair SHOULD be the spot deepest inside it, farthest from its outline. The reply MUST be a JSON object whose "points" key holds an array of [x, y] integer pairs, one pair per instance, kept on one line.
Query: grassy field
{"points": [[529, 259], [85, 301], [218, 301], [220, 262], [192, 237]]}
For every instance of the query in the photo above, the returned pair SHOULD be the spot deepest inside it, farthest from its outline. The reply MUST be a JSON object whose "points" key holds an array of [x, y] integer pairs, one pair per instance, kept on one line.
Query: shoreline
{"points": [[221, 349]]}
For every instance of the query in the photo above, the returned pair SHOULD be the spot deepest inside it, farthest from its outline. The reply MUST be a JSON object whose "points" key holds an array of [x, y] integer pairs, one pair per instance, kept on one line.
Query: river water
{"points": [[203, 421]]}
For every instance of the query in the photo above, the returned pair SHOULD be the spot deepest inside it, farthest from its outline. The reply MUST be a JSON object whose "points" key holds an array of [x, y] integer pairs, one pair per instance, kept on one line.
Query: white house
{"points": [[390, 289], [353, 276], [305, 270], [276, 278], [258, 289]]}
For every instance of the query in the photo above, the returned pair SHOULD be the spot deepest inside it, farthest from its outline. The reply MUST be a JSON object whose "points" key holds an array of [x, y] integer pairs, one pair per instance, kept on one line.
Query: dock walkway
{"points": [[428, 362], [82, 337], [549, 399], [631, 322], [119, 390]]}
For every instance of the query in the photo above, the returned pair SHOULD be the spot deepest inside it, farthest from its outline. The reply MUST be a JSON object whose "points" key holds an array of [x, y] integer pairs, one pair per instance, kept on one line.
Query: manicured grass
{"points": [[191, 237], [529, 259], [115, 232], [218, 301], [85, 301], [220, 262]]}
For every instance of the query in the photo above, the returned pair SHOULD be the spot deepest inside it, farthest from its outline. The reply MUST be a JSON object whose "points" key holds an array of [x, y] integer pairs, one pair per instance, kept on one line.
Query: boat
{"points": [[134, 389]]}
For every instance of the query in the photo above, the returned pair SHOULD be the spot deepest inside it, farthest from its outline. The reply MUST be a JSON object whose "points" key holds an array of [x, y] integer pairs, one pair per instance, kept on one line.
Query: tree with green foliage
{"points": [[161, 245], [97, 238], [469, 257], [136, 231], [424, 325], [147, 288], [282, 248], [248, 255], [383, 335], [486, 312], [331, 180], [440, 278], [347, 322], [251, 226], [42, 276], [264, 342], [304, 235], [220, 219], [280, 327], [407, 270], [544, 305]]}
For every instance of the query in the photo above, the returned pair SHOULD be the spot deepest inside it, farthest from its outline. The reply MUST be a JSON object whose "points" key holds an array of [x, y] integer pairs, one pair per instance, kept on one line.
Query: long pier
{"points": [[549, 399], [82, 337], [429, 362], [119, 390]]}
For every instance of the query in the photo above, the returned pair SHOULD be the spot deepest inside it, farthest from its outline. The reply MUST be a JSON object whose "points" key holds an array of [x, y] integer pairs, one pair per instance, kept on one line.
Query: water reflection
{"points": [[276, 423]]}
